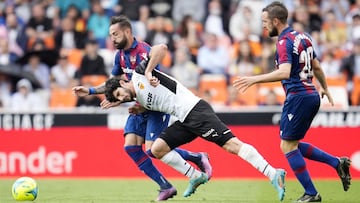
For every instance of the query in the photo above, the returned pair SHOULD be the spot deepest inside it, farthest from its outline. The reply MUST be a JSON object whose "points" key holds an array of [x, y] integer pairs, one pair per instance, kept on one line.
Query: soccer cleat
{"points": [[309, 198], [343, 170], [194, 183], [205, 165], [165, 194], [279, 183]]}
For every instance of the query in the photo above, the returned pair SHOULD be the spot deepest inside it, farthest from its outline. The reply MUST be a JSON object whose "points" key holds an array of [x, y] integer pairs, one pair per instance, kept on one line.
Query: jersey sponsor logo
{"points": [[149, 100], [290, 116], [211, 132], [127, 70]]}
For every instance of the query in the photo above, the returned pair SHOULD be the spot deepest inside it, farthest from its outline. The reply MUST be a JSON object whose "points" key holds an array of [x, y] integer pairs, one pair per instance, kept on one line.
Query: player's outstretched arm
{"points": [[243, 83]]}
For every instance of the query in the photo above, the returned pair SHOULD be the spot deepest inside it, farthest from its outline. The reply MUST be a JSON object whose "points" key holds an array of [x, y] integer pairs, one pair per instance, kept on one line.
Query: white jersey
{"points": [[169, 96]]}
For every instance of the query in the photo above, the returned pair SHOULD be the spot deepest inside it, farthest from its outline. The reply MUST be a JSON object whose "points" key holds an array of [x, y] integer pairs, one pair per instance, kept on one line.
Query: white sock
{"points": [[252, 156], [174, 160]]}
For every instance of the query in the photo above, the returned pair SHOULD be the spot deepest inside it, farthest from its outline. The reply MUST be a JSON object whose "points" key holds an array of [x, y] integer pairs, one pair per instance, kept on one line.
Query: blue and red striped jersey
{"points": [[297, 49]]}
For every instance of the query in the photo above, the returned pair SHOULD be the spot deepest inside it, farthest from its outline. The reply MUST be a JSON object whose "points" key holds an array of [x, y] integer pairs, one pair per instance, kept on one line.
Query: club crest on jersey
{"points": [[132, 59], [141, 85]]}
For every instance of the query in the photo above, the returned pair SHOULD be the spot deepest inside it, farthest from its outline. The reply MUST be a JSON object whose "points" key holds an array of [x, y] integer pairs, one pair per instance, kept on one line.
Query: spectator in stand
{"points": [[354, 9], [267, 62], [213, 58], [63, 73], [39, 69], [315, 17], [245, 63], [62, 7], [196, 9], [40, 28], [301, 16], [24, 99], [98, 24], [354, 28], [15, 35], [79, 21], [92, 63], [22, 10], [161, 34], [339, 7], [244, 18], [184, 70], [334, 33], [331, 65], [109, 7], [67, 37], [6, 55], [190, 32], [161, 8], [350, 66], [5, 89], [131, 8], [214, 22]]}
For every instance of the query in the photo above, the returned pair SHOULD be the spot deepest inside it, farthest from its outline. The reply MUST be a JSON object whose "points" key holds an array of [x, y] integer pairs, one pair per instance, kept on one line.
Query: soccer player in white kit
{"points": [[157, 91]]}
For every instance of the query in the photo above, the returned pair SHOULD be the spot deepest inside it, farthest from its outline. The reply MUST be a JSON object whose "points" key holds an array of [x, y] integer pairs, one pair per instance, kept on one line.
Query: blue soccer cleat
{"points": [[279, 183], [194, 183]]}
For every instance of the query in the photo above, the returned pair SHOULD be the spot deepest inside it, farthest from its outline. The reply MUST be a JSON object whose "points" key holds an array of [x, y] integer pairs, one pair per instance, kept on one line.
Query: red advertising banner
{"points": [[98, 152]]}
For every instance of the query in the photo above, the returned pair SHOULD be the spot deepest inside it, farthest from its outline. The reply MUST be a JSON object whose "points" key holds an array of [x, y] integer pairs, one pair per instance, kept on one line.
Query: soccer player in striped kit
{"points": [[296, 65]]}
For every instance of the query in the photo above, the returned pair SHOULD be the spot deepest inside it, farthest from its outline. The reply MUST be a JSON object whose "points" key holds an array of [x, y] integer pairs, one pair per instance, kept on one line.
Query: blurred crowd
{"points": [[48, 46]]}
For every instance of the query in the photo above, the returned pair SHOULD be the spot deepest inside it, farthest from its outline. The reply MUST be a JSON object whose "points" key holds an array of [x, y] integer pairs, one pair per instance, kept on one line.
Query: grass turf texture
{"points": [[142, 191]]}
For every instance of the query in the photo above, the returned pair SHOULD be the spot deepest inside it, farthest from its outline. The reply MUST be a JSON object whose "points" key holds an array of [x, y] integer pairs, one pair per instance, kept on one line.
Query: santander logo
{"points": [[37, 162]]}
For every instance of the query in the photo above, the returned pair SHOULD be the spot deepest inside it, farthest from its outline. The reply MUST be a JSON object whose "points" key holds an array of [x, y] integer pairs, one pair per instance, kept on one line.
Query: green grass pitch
{"points": [[143, 191]]}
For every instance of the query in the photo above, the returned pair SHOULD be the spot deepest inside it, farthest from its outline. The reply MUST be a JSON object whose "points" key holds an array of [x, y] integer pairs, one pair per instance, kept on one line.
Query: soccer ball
{"points": [[25, 189]]}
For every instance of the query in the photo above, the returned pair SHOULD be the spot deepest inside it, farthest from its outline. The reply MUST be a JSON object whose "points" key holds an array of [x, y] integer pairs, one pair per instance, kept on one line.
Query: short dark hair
{"points": [[277, 10], [110, 86], [122, 21]]}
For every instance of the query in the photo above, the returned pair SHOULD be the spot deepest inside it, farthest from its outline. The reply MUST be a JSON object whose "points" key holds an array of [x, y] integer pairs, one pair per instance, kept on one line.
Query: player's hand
{"points": [[80, 91], [105, 104], [243, 83], [154, 81], [326, 93], [136, 109]]}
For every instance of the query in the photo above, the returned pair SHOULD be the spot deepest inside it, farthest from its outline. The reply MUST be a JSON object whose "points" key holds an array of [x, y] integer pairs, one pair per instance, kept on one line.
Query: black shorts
{"points": [[201, 121]]}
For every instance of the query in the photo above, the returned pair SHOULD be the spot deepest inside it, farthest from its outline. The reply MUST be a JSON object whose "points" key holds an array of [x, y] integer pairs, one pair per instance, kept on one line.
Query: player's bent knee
{"points": [[159, 148], [233, 146]]}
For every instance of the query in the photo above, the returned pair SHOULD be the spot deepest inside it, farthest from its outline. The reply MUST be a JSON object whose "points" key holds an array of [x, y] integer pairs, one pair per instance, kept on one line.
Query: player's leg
{"points": [[293, 127], [249, 153], [157, 122], [172, 137], [214, 130], [133, 146], [340, 164]]}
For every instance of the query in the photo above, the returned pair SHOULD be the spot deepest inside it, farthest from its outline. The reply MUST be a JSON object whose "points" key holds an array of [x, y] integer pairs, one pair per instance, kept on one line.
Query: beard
{"points": [[130, 97], [122, 44], [273, 32]]}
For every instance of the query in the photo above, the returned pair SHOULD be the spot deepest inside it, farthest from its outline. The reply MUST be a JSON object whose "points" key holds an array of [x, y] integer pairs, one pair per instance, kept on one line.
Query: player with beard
{"points": [[143, 127], [296, 63]]}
